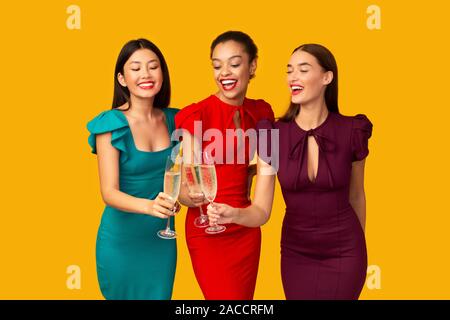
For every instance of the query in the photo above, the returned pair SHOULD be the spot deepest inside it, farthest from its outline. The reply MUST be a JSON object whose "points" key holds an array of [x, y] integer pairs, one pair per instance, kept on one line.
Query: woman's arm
{"points": [[357, 195], [258, 213], [108, 168]]}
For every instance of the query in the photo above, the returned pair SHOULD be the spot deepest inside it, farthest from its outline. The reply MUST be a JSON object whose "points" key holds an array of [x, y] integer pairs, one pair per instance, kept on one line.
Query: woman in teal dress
{"points": [[132, 142]]}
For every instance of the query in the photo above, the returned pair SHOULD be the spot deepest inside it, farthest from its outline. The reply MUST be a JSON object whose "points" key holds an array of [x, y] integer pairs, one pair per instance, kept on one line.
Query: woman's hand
{"points": [[163, 206], [197, 198], [220, 213]]}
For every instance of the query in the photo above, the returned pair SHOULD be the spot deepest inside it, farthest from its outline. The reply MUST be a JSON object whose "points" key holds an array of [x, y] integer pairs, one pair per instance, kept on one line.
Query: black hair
{"points": [[122, 94], [239, 37]]}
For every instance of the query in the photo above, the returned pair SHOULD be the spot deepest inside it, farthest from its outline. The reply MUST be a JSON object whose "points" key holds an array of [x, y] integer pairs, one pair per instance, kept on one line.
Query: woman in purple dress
{"points": [[321, 173]]}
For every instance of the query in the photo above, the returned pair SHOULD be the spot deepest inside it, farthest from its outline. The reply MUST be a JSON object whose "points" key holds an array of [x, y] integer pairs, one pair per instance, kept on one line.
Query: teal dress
{"points": [[132, 261]]}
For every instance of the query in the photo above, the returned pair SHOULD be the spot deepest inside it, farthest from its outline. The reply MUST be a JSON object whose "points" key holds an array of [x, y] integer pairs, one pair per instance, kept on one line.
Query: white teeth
{"points": [[226, 82], [296, 88], [146, 85]]}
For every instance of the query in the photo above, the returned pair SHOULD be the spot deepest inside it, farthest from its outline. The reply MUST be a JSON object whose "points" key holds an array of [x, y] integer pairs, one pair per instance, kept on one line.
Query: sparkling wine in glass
{"points": [[208, 182], [192, 173], [172, 181]]}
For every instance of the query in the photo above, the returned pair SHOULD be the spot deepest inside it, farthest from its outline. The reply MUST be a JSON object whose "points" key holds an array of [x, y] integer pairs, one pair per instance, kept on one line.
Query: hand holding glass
{"points": [[208, 182], [192, 173], [172, 180]]}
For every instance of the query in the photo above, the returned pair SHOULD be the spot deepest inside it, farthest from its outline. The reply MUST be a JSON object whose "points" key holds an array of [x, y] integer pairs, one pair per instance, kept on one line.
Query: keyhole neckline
{"points": [[244, 103]]}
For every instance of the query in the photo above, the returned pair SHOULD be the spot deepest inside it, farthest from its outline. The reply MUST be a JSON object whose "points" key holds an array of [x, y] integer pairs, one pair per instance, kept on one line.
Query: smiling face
{"points": [[142, 74], [232, 71], [307, 80]]}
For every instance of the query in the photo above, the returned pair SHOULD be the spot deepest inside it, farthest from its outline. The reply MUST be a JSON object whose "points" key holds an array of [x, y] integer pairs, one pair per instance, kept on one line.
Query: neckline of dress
{"points": [[132, 137], [316, 128], [244, 103]]}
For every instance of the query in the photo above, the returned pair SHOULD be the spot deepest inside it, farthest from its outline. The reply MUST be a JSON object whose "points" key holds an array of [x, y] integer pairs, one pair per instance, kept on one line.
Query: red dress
{"points": [[225, 264]]}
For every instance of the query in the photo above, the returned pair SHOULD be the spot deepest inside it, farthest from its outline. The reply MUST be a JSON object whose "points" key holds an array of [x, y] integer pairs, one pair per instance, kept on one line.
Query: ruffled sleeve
{"points": [[263, 110], [186, 117], [361, 132], [110, 121]]}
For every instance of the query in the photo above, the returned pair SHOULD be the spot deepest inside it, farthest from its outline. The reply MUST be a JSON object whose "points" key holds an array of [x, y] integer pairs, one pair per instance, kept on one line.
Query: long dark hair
{"points": [[122, 94], [328, 63]]}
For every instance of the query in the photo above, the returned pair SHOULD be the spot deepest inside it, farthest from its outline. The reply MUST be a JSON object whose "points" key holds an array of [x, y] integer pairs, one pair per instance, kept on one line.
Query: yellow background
{"points": [[54, 80]]}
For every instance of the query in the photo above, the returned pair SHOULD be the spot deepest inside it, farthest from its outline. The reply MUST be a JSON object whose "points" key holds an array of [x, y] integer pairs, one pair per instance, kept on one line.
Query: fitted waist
{"points": [[339, 233], [142, 187], [129, 224], [232, 184], [314, 219], [316, 201]]}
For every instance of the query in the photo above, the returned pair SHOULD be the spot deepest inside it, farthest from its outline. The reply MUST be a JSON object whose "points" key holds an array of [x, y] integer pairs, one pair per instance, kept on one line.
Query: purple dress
{"points": [[323, 248]]}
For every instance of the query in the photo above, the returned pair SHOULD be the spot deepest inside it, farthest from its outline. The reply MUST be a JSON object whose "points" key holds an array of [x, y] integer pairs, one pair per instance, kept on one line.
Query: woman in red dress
{"points": [[225, 264]]}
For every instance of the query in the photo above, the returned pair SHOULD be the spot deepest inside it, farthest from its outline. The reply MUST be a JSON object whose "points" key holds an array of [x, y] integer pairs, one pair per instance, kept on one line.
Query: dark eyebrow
{"points": [[300, 64], [236, 56], [153, 60]]}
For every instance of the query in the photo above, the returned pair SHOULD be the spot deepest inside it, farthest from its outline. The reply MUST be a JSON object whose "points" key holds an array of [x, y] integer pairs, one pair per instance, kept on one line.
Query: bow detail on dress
{"points": [[299, 148]]}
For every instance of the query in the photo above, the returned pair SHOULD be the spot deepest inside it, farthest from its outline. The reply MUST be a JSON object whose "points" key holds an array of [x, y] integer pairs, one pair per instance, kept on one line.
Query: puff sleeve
{"points": [[110, 121], [263, 116], [264, 129], [263, 111], [186, 117], [361, 132]]}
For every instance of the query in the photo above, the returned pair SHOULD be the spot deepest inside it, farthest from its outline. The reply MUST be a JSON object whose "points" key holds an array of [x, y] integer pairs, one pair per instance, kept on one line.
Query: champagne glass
{"points": [[192, 173], [208, 182], [172, 181]]}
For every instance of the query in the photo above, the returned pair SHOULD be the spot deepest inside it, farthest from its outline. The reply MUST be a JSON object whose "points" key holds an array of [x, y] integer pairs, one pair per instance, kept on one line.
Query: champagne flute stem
{"points": [[212, 205], [168, 224]]}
